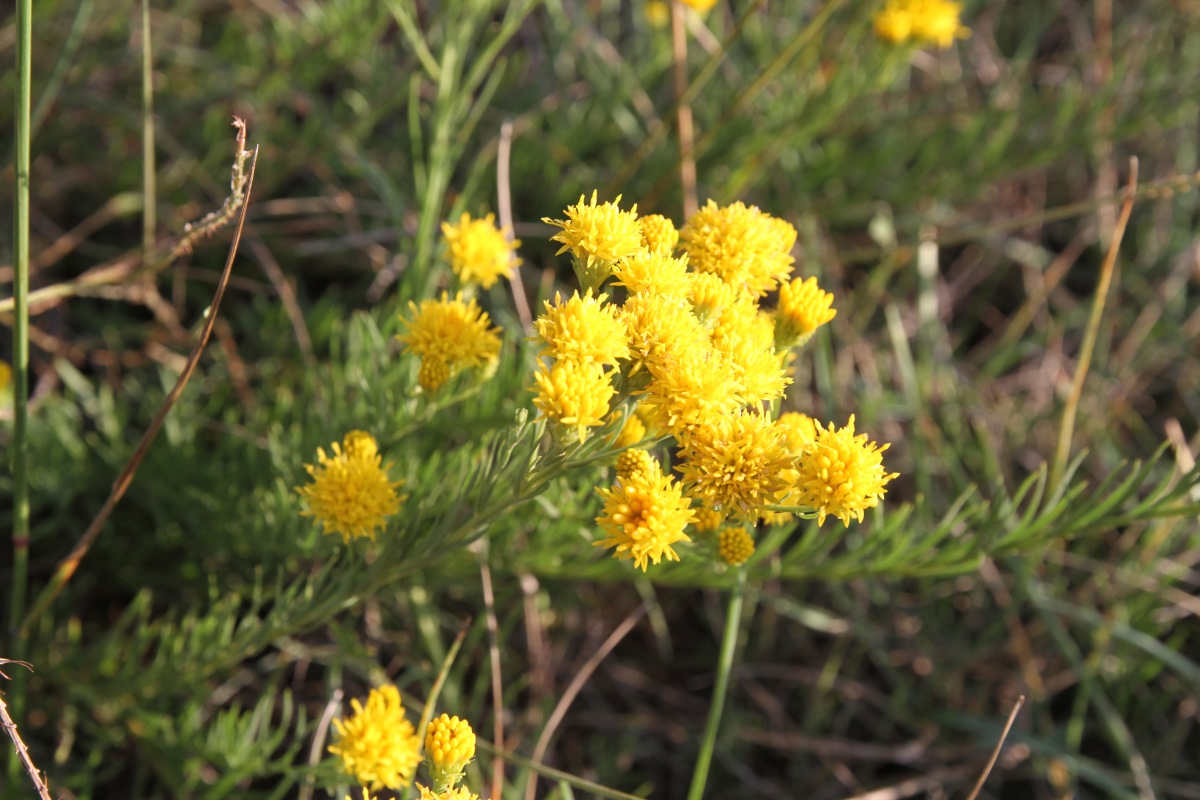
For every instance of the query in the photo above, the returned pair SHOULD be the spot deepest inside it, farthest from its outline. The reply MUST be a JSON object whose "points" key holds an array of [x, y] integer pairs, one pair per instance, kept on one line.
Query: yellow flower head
{"points": [[574, 394], [583, 329], [377, 744], [479, 252], [658, 234], [661, 328], [452, 793], [700, 5], [689, 390], [634, 460], [449, 336], [647, 271], [745, 337], [366, 795], [449, 747], [747, 248], [632, 431], [735, 546], [644, 515], [799, 431], [710, 295], [708, 519], [737, 463], [803, 307], [350, 492], [841, 475], [597, 236], [923, 21]]}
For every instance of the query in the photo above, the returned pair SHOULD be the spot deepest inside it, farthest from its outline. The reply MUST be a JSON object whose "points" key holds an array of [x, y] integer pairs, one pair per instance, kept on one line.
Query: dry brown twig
{"points": [[10, 728], [66, 568]]}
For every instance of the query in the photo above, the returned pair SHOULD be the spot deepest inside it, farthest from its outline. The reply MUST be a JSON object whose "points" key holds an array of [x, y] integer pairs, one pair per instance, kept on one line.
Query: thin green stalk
{"points": [[20, 468], [149, 182], [733, 621]]}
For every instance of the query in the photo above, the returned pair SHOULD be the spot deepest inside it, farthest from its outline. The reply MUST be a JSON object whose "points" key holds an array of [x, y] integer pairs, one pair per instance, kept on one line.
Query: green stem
{"points": [[149, 183], [20, 468], [733, 619]]}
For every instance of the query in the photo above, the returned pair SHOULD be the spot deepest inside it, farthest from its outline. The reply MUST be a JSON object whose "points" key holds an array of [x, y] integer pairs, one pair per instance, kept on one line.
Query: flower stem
{"points": [[20, 469], [733, 619]]}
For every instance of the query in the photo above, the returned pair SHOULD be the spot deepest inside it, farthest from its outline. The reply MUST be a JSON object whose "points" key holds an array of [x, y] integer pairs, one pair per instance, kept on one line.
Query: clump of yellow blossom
{"points": [[449, 336], [708, 519], [841, 474], [735, 546], [574, 394], [648, 270], [749, 249], [799, 431], [351, 492], [803, 307], [478, 251], [689, 391], [377, 744], [597, 236], [658, 234], [745, 337], [366, 795], [737, 463], [449, 747], [933, 21], [451, 793], [709, 295], [661, 328], [644, 515], [632, 431], [583, 329], [700, 5], [634, 460]]}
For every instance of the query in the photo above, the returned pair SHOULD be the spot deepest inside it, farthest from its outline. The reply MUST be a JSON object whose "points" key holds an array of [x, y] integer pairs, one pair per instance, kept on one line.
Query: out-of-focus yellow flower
{"points": [[449, 747], [575, 395], [799, 431], [700, 5], [737, 463], [748, 249], [6, 377], [708, 519], [351, 492], [632, 431], [933, 21], [644, 516], [649, 271], [478, 251], [449, 336], [735, 546], [377, 744], [583, 329], [803, 307], [658, 234], [366, 795], [841, 474]]}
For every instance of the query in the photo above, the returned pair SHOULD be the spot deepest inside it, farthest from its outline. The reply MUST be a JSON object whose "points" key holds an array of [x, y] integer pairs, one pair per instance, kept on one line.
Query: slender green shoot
{"points": [[733, 621], [20, 465], [149, 182]]}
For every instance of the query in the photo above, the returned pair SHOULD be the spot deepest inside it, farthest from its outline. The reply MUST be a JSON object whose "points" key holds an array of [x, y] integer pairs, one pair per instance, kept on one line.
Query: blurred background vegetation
{"points": [[957, 203]]}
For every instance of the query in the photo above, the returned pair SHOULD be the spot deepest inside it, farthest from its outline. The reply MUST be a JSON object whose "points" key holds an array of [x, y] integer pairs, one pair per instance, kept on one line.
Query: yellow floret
{"points": [[574, 395], [841, 474], [748, 249], [377, 744], [803, 307], [449, 336], [735, 546], [351, 493], [449, 747], [737, 463], [583, 329], [658, 234], [644, 516]]}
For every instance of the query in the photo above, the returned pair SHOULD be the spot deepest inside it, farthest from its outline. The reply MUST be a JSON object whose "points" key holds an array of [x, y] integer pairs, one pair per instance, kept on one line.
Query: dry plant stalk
{"points": [[10, 728]]}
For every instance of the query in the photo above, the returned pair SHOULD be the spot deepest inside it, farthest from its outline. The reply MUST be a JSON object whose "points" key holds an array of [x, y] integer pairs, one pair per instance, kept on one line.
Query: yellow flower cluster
{"points": [[478, 251], [735, 546], [377, 744], [692, 343], [449, 747], [920, 21], [449, 336], [351, 492]]}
